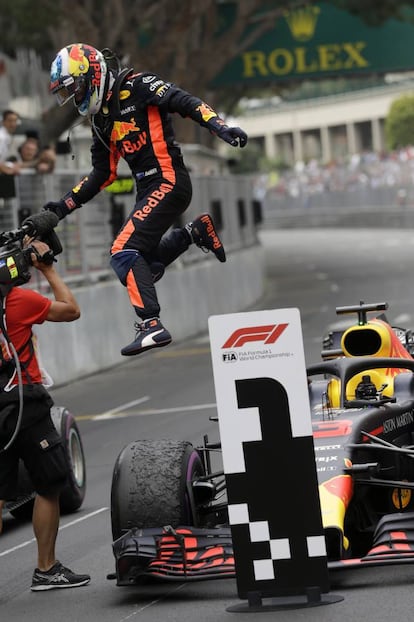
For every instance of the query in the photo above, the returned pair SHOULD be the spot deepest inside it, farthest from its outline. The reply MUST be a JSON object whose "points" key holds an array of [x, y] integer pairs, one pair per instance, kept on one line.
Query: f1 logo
{"points": [[267, 334]]}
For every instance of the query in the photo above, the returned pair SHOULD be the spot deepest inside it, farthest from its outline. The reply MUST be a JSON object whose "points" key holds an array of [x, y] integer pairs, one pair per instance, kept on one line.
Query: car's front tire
{"points": [[149, 485]]}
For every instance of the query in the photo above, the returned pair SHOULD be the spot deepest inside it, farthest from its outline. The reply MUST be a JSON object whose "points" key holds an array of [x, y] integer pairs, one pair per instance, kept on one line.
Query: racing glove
{"points": [[63, 207], [235, 136]]}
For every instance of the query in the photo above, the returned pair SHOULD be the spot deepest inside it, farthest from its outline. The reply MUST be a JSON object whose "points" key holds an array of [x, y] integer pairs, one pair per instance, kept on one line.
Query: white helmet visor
{"points": [[71, 88]]}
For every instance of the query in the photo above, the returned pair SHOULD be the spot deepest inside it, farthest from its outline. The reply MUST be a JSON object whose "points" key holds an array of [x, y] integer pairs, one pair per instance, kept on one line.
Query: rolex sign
{"points": [[318, 41]]}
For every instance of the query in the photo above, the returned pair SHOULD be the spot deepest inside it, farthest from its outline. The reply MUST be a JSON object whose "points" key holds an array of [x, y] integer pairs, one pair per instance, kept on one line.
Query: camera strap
{"points": [[10, 366]]}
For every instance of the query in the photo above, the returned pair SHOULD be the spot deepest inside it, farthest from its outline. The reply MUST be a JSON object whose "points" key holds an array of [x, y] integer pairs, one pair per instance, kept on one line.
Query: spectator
{"points": [[32, 156], [11, 121], [29, 153], [47, 160]]}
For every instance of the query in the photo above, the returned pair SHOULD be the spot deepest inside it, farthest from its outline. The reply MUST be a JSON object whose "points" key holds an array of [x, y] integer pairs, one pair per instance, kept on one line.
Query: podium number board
{"points": [[268, 454]]}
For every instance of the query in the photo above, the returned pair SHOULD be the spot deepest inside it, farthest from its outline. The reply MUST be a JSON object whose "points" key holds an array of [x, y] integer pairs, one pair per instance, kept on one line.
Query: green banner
{"points": [[321, 41]]}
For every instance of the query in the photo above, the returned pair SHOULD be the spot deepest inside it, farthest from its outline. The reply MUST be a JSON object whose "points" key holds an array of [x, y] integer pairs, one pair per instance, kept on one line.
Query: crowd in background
{"points": [[367, 170], [19, 152], [24, 161]]}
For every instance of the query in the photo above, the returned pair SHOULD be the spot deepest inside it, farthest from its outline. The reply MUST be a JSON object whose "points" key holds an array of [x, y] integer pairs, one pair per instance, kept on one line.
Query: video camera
{"points": [[15, 260]]}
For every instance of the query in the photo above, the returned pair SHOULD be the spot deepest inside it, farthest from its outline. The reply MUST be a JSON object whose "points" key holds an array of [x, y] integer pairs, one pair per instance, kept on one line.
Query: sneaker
{"points": [[57, 577], [205, 236], [150, 334]]}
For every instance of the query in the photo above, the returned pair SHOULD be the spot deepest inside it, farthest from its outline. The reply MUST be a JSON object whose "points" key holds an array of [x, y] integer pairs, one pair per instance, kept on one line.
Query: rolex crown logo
{"points": [[302, 22]]}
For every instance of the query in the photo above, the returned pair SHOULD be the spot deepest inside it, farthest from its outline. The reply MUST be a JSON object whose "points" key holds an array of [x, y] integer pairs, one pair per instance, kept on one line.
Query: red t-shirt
{"points": [[25, 307]]}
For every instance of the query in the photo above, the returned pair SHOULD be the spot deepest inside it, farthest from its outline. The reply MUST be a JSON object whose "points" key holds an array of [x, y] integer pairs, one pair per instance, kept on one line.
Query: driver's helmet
{"points": [[79, 71]]}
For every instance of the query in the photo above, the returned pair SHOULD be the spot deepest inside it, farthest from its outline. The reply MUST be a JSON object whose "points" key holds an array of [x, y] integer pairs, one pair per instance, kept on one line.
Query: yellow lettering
{"points": [[301, 65], [328, 57], [287, 59], [354, 56], [254, 63], [281, 61]]}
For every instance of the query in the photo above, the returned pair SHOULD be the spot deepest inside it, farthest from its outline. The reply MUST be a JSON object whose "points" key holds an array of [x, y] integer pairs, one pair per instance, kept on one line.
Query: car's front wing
{"points": [[189, 554], [393, 543], [184, 553]]}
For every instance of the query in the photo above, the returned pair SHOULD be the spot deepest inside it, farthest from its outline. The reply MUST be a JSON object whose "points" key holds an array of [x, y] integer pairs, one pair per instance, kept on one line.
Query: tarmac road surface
{"points": [[169, 393]]}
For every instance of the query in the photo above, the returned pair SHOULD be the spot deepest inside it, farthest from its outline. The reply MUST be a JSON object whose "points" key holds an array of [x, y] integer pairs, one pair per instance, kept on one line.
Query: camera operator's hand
{"points": [[65, 307], [42, 258]]}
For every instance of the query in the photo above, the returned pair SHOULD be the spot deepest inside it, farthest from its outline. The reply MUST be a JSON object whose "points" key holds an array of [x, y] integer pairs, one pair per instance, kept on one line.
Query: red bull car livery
{"points": [[168, 500]]}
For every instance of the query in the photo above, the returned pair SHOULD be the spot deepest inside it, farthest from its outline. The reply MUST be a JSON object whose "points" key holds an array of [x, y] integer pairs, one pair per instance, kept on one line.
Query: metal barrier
{"points": [[87, 234]]}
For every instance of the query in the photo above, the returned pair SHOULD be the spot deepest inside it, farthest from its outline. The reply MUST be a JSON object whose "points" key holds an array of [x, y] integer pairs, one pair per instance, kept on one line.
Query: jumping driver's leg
{"points": [[131, 252]]}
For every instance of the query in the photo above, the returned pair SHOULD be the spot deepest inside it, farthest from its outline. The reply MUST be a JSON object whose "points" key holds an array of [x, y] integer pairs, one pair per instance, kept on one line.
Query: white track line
{"points": [[153, 602], [74, 522], [152, 411], [402, 319], [113, 411]]}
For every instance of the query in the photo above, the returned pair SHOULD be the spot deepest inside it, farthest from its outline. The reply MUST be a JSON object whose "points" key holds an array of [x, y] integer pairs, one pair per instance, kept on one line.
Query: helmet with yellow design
{"points": [[79, 72]]}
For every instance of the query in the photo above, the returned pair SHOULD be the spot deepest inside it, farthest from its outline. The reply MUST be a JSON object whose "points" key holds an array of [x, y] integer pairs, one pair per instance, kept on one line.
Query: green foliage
{"points": [[399, 123], [375, 12], [25, 24], [187, 42], [38, 25]]}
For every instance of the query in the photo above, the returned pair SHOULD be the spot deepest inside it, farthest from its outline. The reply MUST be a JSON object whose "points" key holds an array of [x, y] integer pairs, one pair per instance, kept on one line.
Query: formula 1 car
{"points": [[72, 496], [168, 505]]}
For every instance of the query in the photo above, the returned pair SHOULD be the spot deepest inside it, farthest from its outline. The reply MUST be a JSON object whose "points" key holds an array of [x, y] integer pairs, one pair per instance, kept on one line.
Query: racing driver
{"points": [[130, 118]]}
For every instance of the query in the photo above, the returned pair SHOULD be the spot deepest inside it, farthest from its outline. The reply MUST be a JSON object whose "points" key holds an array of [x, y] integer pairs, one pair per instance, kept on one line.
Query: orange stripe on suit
{"points": [[123, 237], [159, 144], [133, 291]]}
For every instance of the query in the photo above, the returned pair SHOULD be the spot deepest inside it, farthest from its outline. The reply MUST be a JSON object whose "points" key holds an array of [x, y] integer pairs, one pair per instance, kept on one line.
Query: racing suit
{"points": [[135, 124]]}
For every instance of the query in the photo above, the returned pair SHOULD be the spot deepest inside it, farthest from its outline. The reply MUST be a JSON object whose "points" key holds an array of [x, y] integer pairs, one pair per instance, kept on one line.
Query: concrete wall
{"points": [[188, 296]]}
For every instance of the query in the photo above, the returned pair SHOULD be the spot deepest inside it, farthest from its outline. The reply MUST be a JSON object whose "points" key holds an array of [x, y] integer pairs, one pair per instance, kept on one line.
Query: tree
{"points": [[186, 42], [399, 123], [376, 12]]}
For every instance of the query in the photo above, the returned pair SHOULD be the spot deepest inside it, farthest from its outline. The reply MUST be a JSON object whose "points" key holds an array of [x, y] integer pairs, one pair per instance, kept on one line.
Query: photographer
{"points": [[37, 441]]}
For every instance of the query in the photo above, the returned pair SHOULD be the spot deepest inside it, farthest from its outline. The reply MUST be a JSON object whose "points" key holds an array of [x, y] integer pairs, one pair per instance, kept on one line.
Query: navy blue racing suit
{"points": [[135, 124]]}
